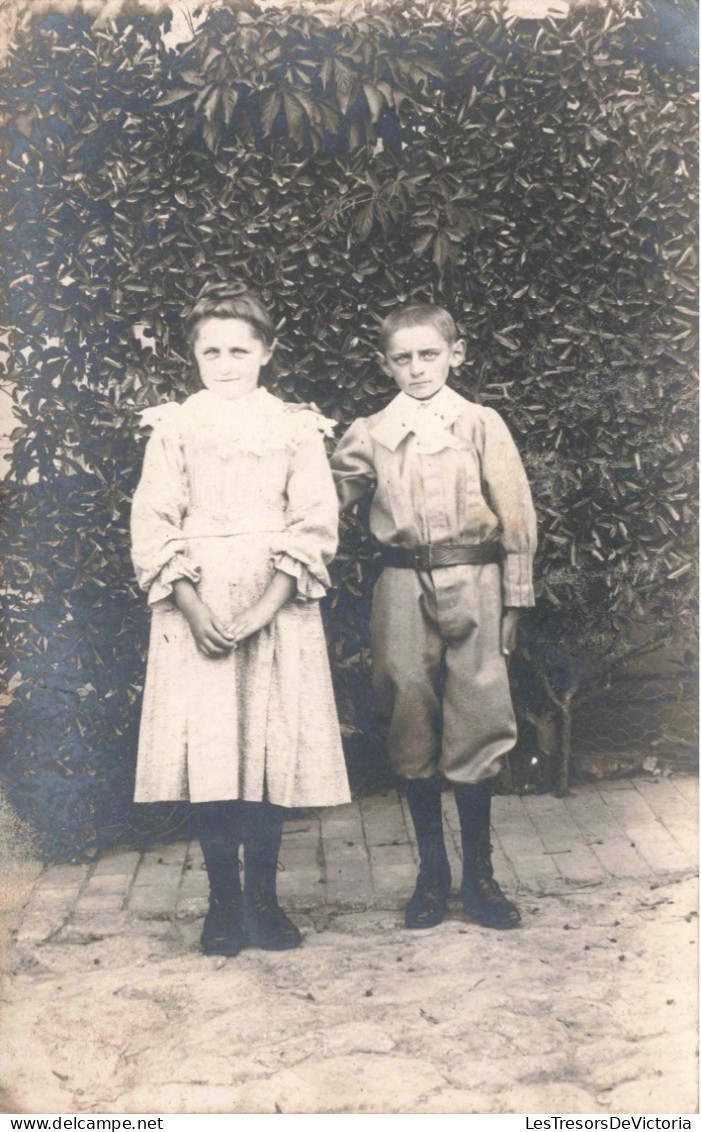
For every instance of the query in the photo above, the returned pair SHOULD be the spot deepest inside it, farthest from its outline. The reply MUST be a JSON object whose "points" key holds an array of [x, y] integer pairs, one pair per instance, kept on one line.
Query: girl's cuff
{"points": [[309, 587], [178, 567]]}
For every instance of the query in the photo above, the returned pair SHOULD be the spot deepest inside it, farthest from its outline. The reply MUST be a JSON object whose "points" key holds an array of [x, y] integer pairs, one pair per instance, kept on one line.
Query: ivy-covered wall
{"points": [[536, 178]]}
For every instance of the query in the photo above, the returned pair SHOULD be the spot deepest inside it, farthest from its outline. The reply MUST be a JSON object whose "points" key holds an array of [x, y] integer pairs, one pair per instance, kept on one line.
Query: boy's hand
{"points": [[509, 630]]}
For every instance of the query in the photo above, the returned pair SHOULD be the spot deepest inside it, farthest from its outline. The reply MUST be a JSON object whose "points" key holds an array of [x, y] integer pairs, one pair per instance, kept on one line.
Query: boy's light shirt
{"points": [[466, 486], [429, 421]]}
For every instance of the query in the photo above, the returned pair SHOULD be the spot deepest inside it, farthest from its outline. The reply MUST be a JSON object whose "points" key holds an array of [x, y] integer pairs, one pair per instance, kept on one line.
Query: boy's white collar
{"points": [[430, 420]]}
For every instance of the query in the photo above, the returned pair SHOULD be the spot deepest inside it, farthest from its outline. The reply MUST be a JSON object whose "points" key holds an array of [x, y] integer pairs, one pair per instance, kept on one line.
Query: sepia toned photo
{"points": [[348, 422]]}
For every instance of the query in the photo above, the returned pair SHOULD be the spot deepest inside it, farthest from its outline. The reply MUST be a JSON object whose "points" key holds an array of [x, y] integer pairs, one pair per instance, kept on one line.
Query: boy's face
{"points": [[420, 360]]}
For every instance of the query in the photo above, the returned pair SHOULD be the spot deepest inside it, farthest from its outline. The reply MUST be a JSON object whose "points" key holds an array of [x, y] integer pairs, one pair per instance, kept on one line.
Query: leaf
{"points": [[212, 104], [424, 242], [210, 133], [326, 71], [506, 340], [229, 100], [375, 100], [346, 84], [364, 221], [172, 96], [441, 250], [294, 115], [270, 106]]}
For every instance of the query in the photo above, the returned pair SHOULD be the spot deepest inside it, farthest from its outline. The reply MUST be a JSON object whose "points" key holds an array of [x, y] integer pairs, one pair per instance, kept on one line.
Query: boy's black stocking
{"points": [[430, 898], [482, 897], [218, 826], [266, 923]]}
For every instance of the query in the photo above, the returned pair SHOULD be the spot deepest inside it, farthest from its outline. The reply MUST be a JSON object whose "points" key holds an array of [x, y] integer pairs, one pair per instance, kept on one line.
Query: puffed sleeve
{"points": [[311, 518], [352, 464], [508, 493], [160, 501]]}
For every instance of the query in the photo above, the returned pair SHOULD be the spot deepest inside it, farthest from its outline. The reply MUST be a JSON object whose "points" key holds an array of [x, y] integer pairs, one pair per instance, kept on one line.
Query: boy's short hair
{"points": [[228, 300], [418, 314]]}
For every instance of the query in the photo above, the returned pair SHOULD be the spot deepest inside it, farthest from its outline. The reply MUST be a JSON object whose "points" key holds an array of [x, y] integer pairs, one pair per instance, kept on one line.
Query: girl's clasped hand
{"points": [[212, 638]]}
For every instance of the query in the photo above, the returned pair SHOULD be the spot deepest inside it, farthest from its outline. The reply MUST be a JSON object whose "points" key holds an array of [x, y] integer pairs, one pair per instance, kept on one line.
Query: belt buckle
{"points": [[422, 557]]}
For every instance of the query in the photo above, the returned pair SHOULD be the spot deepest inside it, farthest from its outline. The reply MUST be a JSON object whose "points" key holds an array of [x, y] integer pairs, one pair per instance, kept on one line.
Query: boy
{"points": [[453, 514]]}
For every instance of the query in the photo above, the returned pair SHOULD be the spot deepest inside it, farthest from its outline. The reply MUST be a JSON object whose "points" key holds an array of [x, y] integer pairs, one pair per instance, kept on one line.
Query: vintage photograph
{"points": [[348, 425]]}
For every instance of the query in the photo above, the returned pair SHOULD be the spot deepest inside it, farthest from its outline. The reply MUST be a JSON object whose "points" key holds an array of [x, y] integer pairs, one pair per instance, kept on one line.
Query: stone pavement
{"points": [[589, 1007], [363, 856]]}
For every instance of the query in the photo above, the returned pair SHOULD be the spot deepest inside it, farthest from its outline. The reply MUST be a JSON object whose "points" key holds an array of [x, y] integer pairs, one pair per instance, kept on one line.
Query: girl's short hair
{"points": [[228, 300], [418, 314]]}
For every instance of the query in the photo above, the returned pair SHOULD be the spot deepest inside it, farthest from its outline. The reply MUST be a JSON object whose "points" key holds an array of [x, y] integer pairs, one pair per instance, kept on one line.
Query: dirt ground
{"points": [[590, 1007]]}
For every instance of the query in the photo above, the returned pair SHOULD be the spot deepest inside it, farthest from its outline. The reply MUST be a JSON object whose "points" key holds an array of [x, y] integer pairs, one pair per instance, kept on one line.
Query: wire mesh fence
{"points": [[648, 714]]}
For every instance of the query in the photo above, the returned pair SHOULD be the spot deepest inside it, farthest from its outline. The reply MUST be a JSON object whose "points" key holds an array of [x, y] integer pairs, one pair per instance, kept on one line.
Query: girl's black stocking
{"points": [[262, 835], [219, 828], [266, 923]]}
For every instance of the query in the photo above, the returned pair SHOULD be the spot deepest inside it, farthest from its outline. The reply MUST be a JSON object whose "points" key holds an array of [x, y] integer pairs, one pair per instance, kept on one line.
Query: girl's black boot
{"points": [[266, 924], [218, 827], [481, 896], [429, 901]]}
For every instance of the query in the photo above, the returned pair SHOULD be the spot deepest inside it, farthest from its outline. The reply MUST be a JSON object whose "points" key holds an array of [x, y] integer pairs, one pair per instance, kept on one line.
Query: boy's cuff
{"points": [[517, 585]]}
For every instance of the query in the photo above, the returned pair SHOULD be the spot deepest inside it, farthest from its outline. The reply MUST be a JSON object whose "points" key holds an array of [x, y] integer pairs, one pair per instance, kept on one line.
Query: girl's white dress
{"points": [[230, 492]]}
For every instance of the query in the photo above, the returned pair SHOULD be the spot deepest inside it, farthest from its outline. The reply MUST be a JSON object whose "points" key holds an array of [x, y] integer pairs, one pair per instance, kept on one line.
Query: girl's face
{"points": [[229, 356]]}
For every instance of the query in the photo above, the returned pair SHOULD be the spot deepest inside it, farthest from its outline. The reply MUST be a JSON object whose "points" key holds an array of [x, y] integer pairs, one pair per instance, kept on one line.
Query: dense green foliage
{"points": [[537, 178]]}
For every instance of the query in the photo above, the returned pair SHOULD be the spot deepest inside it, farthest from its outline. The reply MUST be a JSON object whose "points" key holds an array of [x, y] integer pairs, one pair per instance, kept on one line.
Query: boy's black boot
{"points": [[266, 923], [429, 901], [218, 827], [482, 897]]}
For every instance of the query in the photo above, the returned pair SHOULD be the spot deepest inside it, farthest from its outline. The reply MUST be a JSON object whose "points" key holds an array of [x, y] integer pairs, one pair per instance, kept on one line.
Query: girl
{"points": [[233, 524]]}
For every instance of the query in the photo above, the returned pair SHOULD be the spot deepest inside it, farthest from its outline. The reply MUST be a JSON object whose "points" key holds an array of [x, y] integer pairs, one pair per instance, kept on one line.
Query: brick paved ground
{"points": [[362, 856], [109, 1006]]}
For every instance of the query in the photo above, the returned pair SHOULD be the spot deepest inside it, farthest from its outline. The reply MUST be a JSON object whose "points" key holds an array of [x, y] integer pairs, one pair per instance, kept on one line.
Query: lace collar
{"points": [[430, 421], [258, 423]]}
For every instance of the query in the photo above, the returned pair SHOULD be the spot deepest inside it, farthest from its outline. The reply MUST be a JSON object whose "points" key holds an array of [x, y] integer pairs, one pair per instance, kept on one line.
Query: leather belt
{"points": [[433, 557]]}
